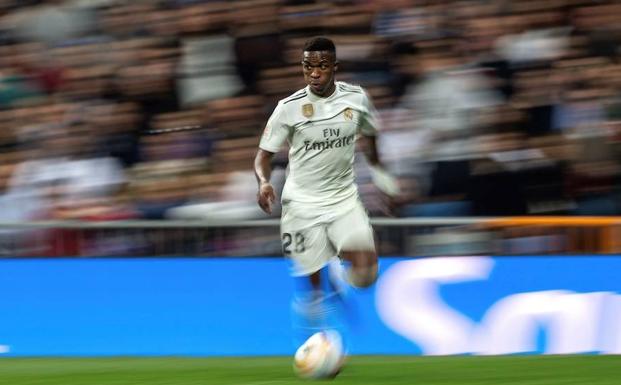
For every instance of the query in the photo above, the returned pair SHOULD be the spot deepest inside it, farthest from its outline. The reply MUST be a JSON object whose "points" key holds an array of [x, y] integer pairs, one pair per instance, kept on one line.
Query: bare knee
{"points": [[363, 270], [363, 277]]}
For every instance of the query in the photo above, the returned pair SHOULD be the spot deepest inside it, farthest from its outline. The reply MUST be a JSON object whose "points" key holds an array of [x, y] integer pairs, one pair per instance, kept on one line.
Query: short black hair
{"points": [[320, 43]]}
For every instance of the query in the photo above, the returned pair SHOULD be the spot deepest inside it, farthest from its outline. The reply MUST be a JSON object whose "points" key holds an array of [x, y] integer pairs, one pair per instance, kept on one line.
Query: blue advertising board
{"points": [[236, 306]]}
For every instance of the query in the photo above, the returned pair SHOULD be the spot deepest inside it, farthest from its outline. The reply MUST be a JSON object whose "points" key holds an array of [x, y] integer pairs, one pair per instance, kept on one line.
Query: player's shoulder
{"points": [[348, 88], [296, 96], [287, 106]]}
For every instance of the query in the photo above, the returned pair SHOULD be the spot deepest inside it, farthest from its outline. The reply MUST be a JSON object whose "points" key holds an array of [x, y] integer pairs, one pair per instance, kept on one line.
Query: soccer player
{"points": [[322, 215]]}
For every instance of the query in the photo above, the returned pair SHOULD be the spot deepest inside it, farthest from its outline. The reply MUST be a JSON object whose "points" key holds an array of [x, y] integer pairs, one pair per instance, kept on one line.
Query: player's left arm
{"points": [[368, 131], [369, 148]]}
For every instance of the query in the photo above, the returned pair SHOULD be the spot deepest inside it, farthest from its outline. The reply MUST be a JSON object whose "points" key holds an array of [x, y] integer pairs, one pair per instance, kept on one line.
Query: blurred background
{"points": [[151, 109], [128, 130]]}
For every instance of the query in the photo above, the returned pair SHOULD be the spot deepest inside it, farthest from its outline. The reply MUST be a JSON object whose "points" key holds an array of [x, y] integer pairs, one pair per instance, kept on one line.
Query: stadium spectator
{"points": [[477, 96]]}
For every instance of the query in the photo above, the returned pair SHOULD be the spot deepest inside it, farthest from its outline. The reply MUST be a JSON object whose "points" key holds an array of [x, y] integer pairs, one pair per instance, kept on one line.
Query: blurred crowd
{"points": [[120, 109]]}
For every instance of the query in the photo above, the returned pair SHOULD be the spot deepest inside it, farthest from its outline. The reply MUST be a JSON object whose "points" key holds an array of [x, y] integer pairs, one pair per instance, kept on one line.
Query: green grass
{"points": [[520, 370]]}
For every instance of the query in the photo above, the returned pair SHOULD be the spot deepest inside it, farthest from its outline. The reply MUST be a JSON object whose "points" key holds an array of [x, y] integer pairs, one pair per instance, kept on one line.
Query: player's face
{"points": [[319, 68]]}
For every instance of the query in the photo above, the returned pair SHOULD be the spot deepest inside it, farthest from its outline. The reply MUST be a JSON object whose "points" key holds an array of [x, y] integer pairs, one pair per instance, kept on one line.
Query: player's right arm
{"points": [[275, 133], [263, 170]]}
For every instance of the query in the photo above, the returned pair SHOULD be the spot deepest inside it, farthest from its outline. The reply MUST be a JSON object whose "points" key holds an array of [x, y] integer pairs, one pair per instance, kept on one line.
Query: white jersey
{"points": [[321, 133]]}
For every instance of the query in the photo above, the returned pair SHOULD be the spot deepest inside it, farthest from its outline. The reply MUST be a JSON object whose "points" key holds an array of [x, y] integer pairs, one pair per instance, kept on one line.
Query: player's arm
{"points": [[263, 171], [275, 134], [381, 178], [368, 130], [369, 147]]}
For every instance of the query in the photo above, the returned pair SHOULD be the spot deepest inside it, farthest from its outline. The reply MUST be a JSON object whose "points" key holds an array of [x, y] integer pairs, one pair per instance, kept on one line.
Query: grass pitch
{"points": [[363, 370]]}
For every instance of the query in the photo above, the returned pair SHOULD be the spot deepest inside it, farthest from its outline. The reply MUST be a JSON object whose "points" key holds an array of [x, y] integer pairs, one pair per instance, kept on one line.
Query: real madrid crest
{"points": [[307, 110], [349, 114]]}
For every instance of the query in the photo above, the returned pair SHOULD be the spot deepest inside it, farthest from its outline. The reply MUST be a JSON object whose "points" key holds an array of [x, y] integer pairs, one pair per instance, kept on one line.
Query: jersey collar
{"points": [[314, 98]]}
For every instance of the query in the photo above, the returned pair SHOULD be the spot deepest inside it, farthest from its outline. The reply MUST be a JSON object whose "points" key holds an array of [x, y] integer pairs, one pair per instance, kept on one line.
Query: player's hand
{"points": [[266, 197], [385, 182]]}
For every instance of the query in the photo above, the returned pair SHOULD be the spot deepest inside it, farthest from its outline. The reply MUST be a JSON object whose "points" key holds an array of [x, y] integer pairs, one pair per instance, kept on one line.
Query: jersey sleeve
{"points": [[276, 131], [370, 118]]}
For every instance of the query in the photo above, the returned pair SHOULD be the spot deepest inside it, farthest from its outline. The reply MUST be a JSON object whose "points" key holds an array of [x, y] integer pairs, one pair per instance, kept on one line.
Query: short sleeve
{"points": [[370, 118], [276, 131]]}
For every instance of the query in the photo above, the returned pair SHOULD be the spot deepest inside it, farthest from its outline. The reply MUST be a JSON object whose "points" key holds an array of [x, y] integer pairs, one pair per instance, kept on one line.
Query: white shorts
{"points": [[312, 243]]}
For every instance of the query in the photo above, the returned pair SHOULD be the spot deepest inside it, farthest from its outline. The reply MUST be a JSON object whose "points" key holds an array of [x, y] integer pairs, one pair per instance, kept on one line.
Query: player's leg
{"points": [[316, 306], [353, 237], [363, 270], [310, 251]]}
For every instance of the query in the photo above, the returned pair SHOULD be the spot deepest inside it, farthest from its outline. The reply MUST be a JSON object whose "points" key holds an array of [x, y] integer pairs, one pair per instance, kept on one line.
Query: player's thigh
{"points": [[308, 247], [352, 234]]}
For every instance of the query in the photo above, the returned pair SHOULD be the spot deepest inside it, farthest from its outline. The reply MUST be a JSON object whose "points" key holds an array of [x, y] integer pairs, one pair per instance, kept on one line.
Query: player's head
{"points": [[319, 65]]}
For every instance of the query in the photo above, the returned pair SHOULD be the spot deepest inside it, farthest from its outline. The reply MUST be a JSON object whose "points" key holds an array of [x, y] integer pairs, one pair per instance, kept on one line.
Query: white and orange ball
{"points": [[321, 356]]}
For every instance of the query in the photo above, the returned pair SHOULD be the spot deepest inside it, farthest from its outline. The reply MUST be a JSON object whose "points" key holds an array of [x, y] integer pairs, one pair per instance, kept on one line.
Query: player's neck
{"points": [[327, 93]]}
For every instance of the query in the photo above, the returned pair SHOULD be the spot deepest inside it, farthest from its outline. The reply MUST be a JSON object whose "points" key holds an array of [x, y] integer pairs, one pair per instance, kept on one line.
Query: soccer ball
{"points": [[321, 356]]}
